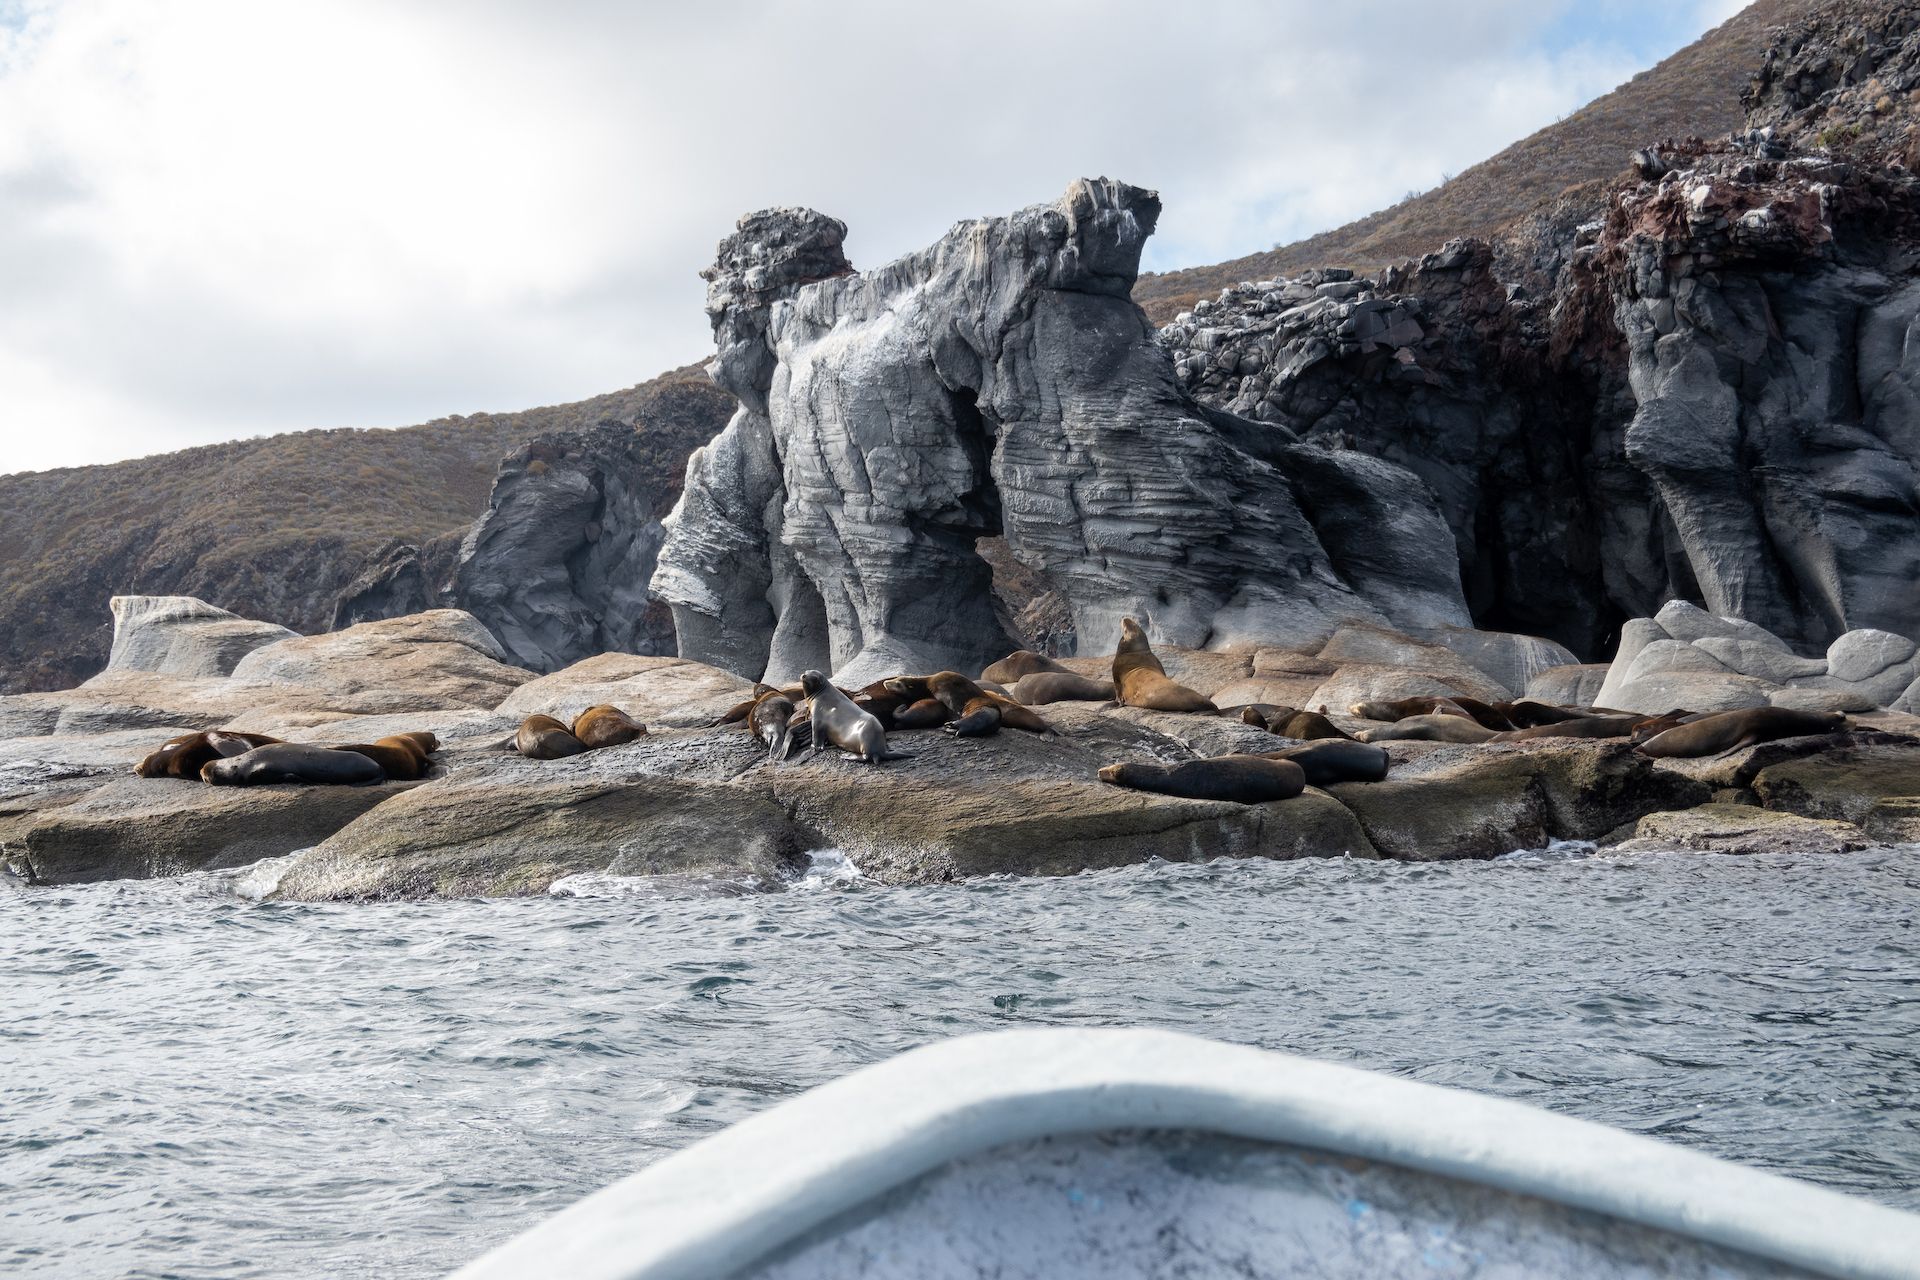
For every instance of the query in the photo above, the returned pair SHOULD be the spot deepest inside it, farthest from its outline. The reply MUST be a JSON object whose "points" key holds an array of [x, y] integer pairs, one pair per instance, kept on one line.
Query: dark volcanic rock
{"points": [[1003, 383]]}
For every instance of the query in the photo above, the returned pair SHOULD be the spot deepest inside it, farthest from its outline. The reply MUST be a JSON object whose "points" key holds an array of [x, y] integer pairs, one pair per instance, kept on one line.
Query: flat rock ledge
{"points": [[703, 802]]}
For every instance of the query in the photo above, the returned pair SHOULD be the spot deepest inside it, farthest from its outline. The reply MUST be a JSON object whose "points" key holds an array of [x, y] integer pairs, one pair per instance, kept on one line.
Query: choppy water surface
{"points": [[193, 1084]]}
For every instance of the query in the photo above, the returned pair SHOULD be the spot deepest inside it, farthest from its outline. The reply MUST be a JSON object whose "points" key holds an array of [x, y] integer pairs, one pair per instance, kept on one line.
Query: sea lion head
{"points": [[1113, 773], [224, 772], [814, 683], [1132, 636]]}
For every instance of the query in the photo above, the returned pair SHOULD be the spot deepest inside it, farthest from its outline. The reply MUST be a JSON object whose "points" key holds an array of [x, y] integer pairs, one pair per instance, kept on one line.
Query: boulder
{"points": [[1575, 686], [1821, 700], [1894, 820], [655, 691], [1742, 828], [144, 827], [1512, 661], [1772, 662], [1843, 784], [182, 636], [1365, 684], [442, 660], [1858, 656]]}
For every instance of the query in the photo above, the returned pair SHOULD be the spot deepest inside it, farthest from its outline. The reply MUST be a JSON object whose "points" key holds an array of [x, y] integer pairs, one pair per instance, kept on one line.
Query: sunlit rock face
{"points": [[1002, 382]]}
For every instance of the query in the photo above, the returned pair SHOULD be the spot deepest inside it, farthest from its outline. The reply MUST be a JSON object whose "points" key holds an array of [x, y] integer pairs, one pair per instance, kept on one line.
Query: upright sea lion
{"points": [[1244, 779], [291, 762], [1429, 728], [606, 726], [981, 711], [183, 756], [1731, 730], [1307, 725], [1043, 687], [1584, 727], [544, 738], [1525, 713], [1140, 681], [837, 722], [771, 721], [1333, 760], [1018, 665], [400, 756]]}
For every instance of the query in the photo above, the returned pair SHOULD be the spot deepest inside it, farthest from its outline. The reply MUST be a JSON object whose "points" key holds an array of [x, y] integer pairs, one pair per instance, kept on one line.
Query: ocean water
{"points": [[196, 1084]]}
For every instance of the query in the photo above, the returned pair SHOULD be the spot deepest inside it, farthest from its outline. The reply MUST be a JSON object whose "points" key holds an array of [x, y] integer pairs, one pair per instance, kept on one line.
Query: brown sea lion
{"points": [[1307, 725], [291, 762], [1649, 726], [606, 726], [183, 756], [980, 711], [1584, 727], [771, 721], [1043, 687], [837, 722], [1392, 709], [1525, 713], [1140, 681], [925, 713], [1332, 760], [1264, 715], [1437, 727], [1018, 665], [544, 738], [1731, 730], [740, 710], [427, 741], [1240, 778], [400, 756]]}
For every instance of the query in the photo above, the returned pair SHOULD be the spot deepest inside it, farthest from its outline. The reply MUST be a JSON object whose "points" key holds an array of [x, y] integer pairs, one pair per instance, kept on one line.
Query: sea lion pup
{"points": [[1043, 687], [1018, 665], [1140, 681], [1429, 728], [771, 721], [1525, 713], [981, 711], [606, 725], [1242, 779], [837, 722], [1731, 730], [401, 756], [1584, 727], [1307, 725], [1333, 760], [544, 738], [182, 757], [292, 762]]}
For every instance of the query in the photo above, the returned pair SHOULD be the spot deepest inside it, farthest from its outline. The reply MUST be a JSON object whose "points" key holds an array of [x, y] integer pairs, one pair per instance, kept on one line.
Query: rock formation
{"points": [[182, 636], [1003, 383]]}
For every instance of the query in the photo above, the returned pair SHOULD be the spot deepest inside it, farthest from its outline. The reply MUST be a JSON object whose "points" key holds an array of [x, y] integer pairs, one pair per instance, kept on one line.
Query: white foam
{"points": [[829, 869]]}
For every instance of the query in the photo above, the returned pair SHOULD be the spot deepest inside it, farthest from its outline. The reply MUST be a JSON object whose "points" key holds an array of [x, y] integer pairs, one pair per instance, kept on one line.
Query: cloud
{"points": [[224, 217]]}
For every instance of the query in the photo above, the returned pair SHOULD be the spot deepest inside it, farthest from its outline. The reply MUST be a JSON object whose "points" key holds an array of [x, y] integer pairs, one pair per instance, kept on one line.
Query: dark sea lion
{"points": [[837, 722], [1525, 713], [1043, 687], [1307, 725], [544, 738], [926, 713], [1263, 715], [979, 711], [1437, 727], [292, 762], [1391, 709], [1584, 727], [182, 757], [771, 721], [1018, 665], [740, 710], [1649, 726], [1243, 779], [1140, 681], [1731, 730], [606, 726], [399, 756], [1334, 760]]}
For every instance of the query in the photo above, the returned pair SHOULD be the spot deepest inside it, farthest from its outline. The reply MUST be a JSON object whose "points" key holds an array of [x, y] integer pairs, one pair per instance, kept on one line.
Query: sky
{"points": [[226, 218]]}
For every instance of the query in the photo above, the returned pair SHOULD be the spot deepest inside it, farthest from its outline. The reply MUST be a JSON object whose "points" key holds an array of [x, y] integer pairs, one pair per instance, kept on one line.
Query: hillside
{"points": [[1696, 91], [274, 528]]}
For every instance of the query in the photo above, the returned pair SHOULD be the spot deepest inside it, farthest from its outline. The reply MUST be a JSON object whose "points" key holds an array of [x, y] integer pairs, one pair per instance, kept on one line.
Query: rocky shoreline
{"points": [[693, 798]]}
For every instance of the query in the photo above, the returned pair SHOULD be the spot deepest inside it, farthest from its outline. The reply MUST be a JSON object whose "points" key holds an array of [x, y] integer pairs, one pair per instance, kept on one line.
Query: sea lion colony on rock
{"points": [[228, 758], [541, 737]]}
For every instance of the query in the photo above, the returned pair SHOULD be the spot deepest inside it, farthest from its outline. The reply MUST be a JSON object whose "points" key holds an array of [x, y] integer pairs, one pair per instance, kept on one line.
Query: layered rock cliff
{"points": [[1002, 383]]}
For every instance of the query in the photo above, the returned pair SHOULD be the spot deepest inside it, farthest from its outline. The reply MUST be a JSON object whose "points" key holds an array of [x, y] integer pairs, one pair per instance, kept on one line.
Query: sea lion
{"points": [[400, 756], [544, 738], [1140, 681], [771, 721], [981, 711], [183, 756], [1584, 727], [1307, 725], [741, 710], [1043, 687], [1648, 727], [606, 725], [1018, 665], [923, 713], [1731, 730], [1240, 778], [1394, 709], [1333, 760], [292, 762], [1437, 727], [1264, 715], [1525, 713], [837, 722]]}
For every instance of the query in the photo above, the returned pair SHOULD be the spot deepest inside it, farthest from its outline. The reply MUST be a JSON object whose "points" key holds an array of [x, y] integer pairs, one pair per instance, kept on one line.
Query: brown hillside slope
{"points": [[273, 528], [1696, 91]]}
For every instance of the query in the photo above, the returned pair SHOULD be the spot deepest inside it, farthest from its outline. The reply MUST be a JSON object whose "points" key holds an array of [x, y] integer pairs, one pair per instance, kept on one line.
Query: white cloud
{"points": [[219, 217]]}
